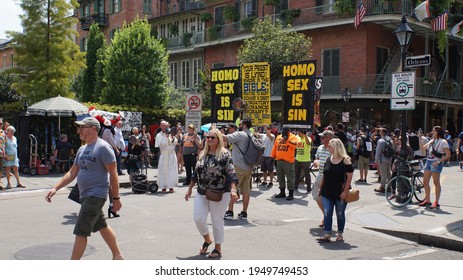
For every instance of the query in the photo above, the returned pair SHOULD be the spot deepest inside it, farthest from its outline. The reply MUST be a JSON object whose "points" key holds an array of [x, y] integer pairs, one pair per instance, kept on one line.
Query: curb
{"points": [[424, 239]]}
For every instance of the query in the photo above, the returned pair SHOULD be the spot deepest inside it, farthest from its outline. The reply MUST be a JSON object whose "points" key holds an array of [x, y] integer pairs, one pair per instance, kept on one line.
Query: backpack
{"points": [[254, 151], [389, 150], [363, 151]]}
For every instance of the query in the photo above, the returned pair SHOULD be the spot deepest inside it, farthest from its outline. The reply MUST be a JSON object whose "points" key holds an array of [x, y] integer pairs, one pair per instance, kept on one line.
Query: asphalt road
{"points": [[160, 227]]}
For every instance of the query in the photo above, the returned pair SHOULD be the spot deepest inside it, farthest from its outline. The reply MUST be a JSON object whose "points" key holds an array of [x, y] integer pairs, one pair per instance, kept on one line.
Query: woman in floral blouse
{"points": [[215, 170]]}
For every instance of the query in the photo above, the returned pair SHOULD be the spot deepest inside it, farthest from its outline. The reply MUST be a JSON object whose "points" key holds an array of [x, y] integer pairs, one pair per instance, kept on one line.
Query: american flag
{"points": [[361, 11], [440, 23]]}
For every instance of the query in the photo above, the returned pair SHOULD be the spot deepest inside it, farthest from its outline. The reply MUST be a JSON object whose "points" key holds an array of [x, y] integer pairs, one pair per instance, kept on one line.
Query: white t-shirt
{"points": [[438, 145]]}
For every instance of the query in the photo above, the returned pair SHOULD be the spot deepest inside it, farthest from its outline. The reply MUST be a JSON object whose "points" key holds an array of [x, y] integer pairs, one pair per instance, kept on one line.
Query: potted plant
{"points": [[231, 13], [344, 6], [248, 22], [213, 32], [290, 14], [205, 17], [187, 39], [173, 29], [450, 84], [428, 80]]}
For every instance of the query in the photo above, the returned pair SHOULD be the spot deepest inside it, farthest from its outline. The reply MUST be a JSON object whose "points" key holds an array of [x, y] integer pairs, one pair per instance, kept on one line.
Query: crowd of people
{"points": [[215, 162]]}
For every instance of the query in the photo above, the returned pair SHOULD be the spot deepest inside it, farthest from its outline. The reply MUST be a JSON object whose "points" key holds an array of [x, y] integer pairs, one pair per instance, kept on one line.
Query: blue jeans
{"points": [[328, 207]]}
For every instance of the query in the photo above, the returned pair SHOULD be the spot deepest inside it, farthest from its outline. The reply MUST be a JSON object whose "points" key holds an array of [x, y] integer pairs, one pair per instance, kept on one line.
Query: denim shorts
{"points": [[429, 167], [91, 217]]}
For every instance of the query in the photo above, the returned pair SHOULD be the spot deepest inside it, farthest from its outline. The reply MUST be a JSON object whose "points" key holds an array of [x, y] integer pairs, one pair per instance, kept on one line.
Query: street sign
{"points": [[403, 104], [419, 60], [403, 91]]}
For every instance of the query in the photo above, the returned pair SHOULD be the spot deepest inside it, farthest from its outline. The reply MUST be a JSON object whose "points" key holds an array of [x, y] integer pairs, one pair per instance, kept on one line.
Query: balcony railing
{"points": [[189, 5], [100, 18], [325, 13], [359, 85]]}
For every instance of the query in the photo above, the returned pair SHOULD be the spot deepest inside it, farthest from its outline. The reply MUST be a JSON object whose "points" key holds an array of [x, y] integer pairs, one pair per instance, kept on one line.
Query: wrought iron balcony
{"points": [[188, 5], [362, 86], [99, 18]]}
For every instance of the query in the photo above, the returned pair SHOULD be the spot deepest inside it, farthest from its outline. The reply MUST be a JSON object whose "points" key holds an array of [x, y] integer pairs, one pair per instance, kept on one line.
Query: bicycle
{"points": [[408, 183]]}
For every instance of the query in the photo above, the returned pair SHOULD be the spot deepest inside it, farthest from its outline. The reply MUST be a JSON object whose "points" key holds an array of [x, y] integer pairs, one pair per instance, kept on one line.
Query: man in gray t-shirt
{"points": [[96, 173], [240, 140]]}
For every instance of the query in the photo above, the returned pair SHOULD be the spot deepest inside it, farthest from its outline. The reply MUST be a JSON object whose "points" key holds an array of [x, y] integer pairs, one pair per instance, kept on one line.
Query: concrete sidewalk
{"points": [[441, 228]]}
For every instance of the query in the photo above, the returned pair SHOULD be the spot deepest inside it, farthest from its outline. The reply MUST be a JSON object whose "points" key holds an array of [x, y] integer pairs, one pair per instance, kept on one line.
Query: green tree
{"points": [[274, 45], [136, 67], [45, 53], [96, 41]]}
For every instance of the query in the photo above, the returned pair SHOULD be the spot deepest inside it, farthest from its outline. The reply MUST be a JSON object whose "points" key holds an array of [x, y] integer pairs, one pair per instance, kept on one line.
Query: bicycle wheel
{"points": [[418, 186], [399, 191]]}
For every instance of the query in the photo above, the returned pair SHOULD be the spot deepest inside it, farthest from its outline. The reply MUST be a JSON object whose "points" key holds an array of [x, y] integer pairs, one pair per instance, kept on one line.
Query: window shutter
{"points": [[254, 8], [111, 6], [318, 9], [120, 5], [95, 6]]}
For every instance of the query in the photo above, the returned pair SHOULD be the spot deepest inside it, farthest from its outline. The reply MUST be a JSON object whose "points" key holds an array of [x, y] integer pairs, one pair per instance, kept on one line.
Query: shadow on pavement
{"points": [[70, 219]]}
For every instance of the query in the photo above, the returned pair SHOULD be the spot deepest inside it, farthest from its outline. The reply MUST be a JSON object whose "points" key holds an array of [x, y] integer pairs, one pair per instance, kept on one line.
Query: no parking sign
{"points": [[194, 102]]}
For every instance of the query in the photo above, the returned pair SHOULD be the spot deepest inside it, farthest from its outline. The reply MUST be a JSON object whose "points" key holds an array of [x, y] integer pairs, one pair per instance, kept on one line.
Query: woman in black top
{"points": [[337, 176]]}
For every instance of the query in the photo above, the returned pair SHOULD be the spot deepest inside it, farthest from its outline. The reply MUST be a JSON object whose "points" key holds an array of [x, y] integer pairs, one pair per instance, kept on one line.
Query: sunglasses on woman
{"points": [[210, 137]]}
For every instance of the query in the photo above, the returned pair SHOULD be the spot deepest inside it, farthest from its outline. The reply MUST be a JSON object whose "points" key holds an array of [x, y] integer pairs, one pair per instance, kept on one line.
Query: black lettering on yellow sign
{"points": [[306, 69], [225, 75], [225, 88], [297, 114], [297, 84], [225, 115]]}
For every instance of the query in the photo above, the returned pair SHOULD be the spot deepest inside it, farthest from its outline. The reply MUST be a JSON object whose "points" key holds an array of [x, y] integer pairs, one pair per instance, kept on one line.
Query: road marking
{"points": [[295, 220], [21, 192], [411, 254]]}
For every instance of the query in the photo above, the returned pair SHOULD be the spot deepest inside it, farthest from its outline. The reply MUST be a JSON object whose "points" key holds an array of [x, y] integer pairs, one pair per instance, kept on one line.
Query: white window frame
{"points": [[173, 73], [197, 66], [186, 74]]}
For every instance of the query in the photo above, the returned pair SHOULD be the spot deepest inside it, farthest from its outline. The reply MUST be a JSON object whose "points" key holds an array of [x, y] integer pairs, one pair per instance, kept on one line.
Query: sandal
{"points": [[324, 239], [215, 254], [339, 238], [203, 250], [20, 186], [425, 203], [8, 187], [322, 223]]}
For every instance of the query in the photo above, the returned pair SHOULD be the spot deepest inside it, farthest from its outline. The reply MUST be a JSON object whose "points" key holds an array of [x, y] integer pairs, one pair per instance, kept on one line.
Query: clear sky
{"points": [[9, 17]]}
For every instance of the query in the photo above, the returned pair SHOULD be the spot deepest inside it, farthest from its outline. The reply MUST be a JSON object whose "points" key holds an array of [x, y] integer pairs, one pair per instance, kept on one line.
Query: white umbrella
{"points": [[57, 107]]}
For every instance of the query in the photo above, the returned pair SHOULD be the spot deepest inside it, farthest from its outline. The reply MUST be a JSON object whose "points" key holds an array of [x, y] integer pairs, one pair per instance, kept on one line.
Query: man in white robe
{"points": [[167, 166]]}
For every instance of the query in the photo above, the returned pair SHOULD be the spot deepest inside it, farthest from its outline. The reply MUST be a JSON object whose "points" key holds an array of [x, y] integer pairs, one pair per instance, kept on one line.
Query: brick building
{"points": [[6, 55], [360, 61]]}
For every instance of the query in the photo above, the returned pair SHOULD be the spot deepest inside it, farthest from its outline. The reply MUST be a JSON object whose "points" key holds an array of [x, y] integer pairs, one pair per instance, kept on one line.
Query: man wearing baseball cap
{"points": [[93, 162], [320, 159]]}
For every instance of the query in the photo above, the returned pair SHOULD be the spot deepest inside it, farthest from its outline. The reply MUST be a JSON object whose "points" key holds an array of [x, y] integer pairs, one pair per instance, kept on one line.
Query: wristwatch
{"points": [[116, 197]]}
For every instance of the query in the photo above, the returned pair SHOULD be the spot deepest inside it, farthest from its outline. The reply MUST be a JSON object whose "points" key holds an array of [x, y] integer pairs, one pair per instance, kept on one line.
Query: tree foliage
{"points": [[135, 69], [96, 41], [45, 54], [274, 45]]}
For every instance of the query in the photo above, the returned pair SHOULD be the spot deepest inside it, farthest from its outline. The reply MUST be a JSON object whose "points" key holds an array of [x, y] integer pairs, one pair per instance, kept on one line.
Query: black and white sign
{"points": [[415, 61]]}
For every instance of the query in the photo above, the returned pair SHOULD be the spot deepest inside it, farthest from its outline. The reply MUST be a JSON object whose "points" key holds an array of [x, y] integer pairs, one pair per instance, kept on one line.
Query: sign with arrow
{"points": [[403, 91], [403, 104]]}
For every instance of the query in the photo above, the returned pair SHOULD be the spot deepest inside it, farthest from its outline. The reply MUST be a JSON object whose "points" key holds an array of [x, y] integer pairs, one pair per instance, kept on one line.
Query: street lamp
{"points": [[404, 36], [346, 95]]}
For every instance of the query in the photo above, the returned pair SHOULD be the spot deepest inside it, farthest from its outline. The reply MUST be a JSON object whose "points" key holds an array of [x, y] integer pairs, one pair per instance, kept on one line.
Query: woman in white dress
{"points": [[167, 166]]}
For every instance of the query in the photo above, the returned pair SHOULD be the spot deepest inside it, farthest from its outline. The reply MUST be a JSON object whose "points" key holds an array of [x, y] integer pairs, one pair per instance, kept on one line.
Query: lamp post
{"points": [[404, 36], [346, 95]]}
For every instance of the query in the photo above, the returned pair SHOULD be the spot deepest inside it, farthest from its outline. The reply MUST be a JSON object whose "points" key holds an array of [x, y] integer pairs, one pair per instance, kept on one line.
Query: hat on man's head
{"points": [[62, 136], [191, 126], [91, 121], [326, 133], [230, 124]]}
